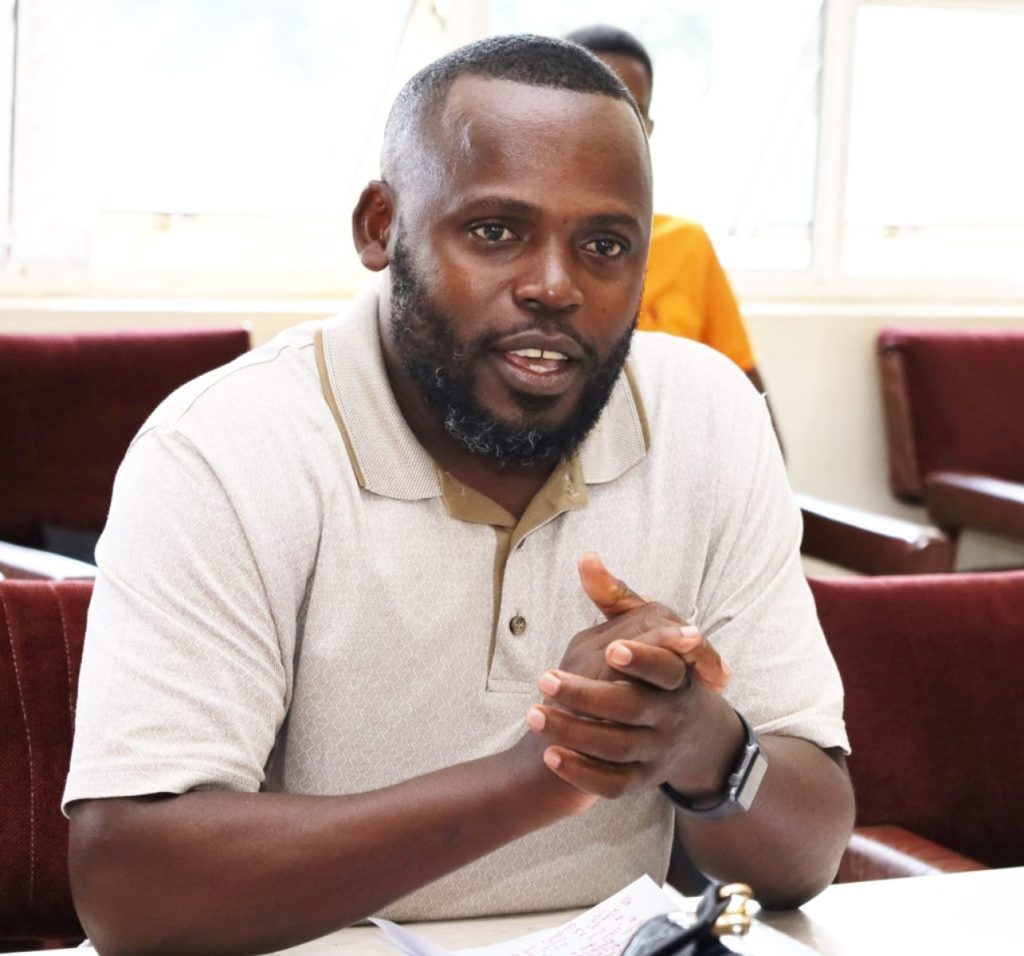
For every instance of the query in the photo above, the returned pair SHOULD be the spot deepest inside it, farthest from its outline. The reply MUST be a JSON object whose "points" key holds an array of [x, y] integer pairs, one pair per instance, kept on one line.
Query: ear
{"points": [[372, 220]]}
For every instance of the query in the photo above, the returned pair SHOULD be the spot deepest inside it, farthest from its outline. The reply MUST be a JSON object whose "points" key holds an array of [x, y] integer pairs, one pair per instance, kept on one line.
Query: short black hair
{"points": [[604, 38], [521, 58]]}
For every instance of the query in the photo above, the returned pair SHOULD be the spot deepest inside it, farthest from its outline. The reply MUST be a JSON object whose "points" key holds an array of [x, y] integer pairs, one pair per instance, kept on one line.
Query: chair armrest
{"points": [[959, 500], [17, 561], [884, 852], [872, 543]]}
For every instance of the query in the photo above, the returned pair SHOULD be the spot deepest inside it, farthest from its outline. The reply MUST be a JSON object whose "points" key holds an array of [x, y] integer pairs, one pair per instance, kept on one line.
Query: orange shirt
{"points": [[686, 292]]}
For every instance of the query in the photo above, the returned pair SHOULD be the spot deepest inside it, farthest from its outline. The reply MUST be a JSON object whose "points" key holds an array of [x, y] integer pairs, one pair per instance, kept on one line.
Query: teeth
{"points": [[542, 369], [541, 353]]}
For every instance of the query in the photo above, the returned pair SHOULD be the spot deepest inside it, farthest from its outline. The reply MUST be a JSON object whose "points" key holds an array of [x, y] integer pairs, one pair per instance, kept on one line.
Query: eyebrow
{"points": [[611, 220], [503, 205]]}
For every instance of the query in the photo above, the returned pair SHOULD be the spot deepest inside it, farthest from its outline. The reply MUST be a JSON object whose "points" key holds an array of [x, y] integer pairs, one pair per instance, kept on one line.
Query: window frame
{"points": [[441, 25]]}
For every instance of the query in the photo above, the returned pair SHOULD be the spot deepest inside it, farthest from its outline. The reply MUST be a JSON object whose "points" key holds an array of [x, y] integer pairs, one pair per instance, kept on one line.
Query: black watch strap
{"points": [[740, 788]]}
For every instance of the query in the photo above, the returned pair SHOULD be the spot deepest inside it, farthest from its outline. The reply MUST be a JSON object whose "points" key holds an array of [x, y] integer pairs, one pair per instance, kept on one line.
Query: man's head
{"points": [[626, 55], [515, 216]]}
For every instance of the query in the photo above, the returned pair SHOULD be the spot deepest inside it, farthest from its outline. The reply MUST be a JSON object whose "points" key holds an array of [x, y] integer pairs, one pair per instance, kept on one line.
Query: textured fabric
{"points": [[71, 406], [686, 292], [42, 625], [933, 668], [246, 577], [965, 395]]}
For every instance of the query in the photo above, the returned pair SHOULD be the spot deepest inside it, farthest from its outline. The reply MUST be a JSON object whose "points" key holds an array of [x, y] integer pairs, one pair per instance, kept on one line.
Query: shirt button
{"points": [[517, 625]]}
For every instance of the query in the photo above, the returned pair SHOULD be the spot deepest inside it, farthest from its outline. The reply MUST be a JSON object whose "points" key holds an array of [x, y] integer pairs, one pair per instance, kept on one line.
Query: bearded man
{"points": [[351, 649]]}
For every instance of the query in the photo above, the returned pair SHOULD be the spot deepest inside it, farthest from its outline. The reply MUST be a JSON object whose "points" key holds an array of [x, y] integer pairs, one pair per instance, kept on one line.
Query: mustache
{"points": [[486, 340]]}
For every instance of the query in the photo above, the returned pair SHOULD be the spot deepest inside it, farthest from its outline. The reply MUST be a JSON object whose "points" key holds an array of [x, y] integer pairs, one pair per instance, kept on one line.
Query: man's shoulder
{"points": [[686, 385], [682, 363], [277, 378]]}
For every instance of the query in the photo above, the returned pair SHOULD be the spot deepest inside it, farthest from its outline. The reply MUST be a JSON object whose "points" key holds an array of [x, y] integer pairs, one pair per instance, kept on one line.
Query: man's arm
{"points": [[673, 727], [789, 844], [229, 873]]}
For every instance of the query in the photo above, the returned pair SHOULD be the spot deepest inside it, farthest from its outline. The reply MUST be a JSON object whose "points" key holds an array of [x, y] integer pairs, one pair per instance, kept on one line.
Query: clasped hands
{"points": [[633, 700]]}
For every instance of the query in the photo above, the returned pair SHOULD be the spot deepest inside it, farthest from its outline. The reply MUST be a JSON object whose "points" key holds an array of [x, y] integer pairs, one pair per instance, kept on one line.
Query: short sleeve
{"points": [[183, 683], [756, 606]]}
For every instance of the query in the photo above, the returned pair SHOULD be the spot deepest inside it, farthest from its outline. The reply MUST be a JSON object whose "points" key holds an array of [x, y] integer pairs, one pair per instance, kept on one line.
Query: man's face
{"points": [[518, 264]]}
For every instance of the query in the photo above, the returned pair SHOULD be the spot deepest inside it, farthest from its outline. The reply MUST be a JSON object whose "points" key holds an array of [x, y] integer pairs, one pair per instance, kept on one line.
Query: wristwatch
{"points": [[740, 788]]}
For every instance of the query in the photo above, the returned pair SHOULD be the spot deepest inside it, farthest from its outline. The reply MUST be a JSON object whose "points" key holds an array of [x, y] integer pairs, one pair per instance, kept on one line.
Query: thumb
{"points": [[612, 596]]}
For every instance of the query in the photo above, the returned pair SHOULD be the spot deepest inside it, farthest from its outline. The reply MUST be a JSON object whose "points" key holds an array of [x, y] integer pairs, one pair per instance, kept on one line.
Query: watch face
{"points": [[741, 787], [752, 783]]}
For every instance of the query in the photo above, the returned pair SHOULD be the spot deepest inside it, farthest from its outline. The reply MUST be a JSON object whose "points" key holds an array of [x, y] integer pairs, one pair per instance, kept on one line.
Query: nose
{"points": [[547, 282]]}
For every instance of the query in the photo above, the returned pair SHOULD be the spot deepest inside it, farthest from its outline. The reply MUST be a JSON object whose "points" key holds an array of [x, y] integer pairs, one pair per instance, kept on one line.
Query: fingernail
{"points": [[552, 759], [620, 654], [726, 669], [535, 718], [689, 631], [549, 684]]}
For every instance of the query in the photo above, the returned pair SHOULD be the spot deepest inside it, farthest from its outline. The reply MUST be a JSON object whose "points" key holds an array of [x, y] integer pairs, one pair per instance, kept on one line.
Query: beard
{"points": [[444, 372]]}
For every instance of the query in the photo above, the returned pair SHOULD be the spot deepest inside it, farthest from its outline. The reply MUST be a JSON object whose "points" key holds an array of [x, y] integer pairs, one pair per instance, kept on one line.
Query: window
{"points": [[936, 142], [201, 146], [836, 148], [735, 107]]}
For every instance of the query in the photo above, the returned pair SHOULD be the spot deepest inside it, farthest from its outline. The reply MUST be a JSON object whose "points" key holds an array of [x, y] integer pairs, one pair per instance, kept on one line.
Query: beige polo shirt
{"points": [[292, 597]]}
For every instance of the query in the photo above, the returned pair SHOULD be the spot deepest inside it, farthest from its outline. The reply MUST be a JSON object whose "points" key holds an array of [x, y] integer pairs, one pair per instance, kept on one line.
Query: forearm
{"points": [[787, 847], [216, 872]]}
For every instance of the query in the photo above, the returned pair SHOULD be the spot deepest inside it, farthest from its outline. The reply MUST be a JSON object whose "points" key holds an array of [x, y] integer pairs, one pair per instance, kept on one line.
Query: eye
{"points": [[606, 248], [493, 232]]}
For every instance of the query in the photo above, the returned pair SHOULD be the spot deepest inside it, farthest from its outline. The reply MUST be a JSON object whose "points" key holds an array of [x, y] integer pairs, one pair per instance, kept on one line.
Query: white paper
{"points": [[602, 930]]}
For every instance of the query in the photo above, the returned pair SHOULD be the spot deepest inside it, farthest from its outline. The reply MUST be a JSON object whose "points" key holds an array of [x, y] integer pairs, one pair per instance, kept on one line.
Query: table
{"points": [[957, 913]]}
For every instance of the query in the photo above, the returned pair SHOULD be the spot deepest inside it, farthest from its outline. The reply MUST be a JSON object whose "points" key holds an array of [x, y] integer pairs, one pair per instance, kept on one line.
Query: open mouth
{"points": [[538, 361]]}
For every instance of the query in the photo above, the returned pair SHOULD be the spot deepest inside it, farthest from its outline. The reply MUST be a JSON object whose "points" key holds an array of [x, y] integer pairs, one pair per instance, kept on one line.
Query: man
{"points": [[686, 292], [339, 660]]}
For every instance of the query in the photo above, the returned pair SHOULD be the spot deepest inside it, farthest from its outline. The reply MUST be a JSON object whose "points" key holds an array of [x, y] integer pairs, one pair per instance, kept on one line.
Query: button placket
{"points": [[510, 669]]}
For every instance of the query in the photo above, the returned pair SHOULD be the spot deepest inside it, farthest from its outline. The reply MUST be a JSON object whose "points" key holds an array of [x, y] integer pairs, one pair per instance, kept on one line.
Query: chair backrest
{"points": [[42, 625], [933, 668], [952, 402], [71, 405]]}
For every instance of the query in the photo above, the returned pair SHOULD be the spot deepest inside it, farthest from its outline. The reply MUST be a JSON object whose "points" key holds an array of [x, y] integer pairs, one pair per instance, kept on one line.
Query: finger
{"points": [[650, 660], [613, 743], [612, 596], [594, 776], [686, 642], [711, 670], [619, 701]]}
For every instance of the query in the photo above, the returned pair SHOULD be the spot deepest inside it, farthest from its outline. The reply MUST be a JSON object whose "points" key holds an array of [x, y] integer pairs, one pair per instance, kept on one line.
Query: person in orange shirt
{"points": [[686, 291]]}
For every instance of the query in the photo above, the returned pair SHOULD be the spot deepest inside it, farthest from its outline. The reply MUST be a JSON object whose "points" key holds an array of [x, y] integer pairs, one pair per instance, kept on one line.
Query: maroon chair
{"points": [[870, 543], [42, 625], [933, 668], [954, 416], [71, 405]]}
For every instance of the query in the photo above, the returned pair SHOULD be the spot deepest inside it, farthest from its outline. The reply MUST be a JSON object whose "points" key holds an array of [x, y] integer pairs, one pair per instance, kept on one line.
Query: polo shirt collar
{"points": [[385, 456]]}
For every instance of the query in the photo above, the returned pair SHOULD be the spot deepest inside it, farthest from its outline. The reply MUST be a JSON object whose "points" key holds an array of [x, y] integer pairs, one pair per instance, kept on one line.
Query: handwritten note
{"points": [[603, 930]]}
